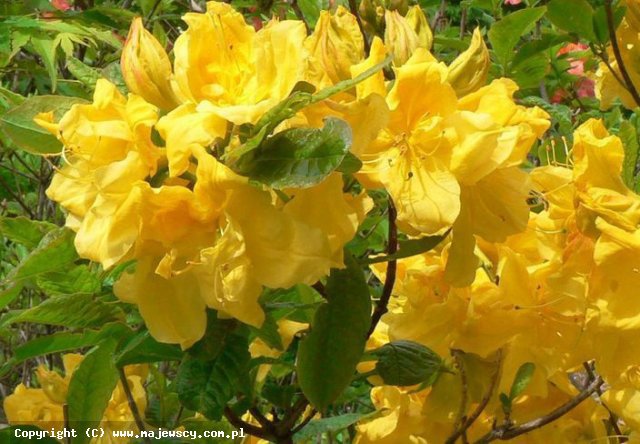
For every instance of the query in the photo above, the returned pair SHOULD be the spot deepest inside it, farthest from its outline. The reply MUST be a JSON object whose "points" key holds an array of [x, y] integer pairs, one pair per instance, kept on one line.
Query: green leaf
{"points": [[522, 379], [297, 303], [9, 99], [9, 294], [24, 231], [143, 349], [600, 22], [73, 311], [87, 75], [405, 363], [213, 340], [350, 164], [329, 353], [55, 343], [317, 427], [207, 386], [530, 72], [46, 49], [505, 34], [629, 138], [298, 157], [268, 332], [574, 16], [410, 247], [77, 280], [90, 389], [18, 123], [54, 252]]}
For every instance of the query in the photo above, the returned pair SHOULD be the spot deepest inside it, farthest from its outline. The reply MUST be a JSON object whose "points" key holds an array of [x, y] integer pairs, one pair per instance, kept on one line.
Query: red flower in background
{"points": [[61, 5], [584, 87], [512, 2]]}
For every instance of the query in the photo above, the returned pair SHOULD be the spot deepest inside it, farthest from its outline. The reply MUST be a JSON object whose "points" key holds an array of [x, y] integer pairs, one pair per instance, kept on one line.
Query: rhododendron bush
{"points": [[374, 222]]}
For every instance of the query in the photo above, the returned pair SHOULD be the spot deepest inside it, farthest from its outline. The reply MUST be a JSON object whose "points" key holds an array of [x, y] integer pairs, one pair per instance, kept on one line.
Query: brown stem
{"points": [[483, 403], [508, 431], [304, 422], [392, 266], [17, 198], [462, 410], [616, 52], [353, 7], [132, 403], [298, 12], [613, 420], [249, 428]]}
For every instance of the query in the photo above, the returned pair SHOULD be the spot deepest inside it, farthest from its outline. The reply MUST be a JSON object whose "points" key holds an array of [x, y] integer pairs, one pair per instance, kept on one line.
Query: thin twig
{"points": [[353, 7], [17, 198], [132, 403], [390, 278], [483, 402], [298, 12], [249, 428], [464, 398], [508, 431], [304, 422], [616, 52], [613, 420]]}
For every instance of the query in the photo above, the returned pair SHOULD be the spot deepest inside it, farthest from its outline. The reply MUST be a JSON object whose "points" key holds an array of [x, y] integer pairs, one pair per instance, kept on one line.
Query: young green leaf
{"points": [[410, 247], [90, 389], [73, 311], [54, 252], [24, 231], [522, 379], [574, 16], [629, 137], [505, 34], [329, 353]]}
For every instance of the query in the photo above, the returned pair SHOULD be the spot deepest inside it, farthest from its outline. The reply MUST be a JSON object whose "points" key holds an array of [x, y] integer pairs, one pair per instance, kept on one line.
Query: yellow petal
{"points": [[172, 309], [283, 251]]}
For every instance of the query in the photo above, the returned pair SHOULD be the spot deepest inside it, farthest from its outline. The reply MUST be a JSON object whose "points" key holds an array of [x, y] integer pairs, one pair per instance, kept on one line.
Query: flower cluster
{"points": [[557, 294], [538, 266], [44, 406]]}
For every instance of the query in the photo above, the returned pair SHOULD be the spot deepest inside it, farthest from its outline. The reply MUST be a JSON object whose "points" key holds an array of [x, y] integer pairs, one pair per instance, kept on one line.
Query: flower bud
{"points": [[399, 37], [420, 25], [469, 70], [335, 45], [146, 67]]}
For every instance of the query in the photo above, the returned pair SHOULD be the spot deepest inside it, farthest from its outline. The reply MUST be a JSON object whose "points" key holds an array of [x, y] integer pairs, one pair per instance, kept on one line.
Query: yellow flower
{"points": [[400, 421], [109, 154], [146, 67], [237, 73], [469, 70], [43, 406], [409, 157], [328, 209]]}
